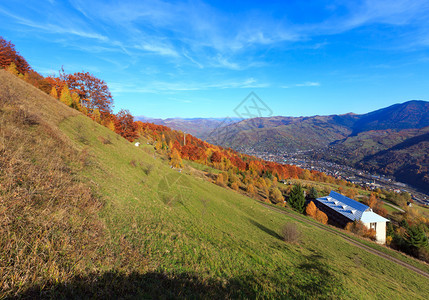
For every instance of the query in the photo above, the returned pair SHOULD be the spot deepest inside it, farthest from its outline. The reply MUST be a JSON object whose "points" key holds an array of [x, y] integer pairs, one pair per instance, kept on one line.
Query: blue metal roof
{"points": [[349, 208]]}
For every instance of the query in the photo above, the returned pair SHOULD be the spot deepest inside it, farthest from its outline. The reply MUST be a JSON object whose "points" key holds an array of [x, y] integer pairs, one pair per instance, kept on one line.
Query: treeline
{"points": [[81, 91], [91, 96]]}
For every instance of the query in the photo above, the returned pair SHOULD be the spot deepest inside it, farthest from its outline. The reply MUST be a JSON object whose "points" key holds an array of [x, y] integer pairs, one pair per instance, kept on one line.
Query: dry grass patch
{"points": [[49, 225]]}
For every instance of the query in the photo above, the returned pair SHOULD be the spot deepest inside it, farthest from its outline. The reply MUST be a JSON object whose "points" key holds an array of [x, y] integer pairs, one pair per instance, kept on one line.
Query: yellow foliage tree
{"points": [[311, 210], [96, 116], [176, 160], [65, 96], [219, 180], [275, 181], [12, 69], [251, 189], [76, 102], [276, 195], [54, 93], [234, 186], [158, 145]]}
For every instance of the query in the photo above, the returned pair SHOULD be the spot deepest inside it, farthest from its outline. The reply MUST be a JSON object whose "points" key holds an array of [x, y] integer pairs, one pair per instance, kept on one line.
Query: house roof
{"points": [[371, 217], [350, 208]]}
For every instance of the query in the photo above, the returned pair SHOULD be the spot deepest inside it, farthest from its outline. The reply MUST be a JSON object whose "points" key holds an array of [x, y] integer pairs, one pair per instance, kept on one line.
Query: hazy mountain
{"points": [[199, 127], [411, 114], [391, 140]]}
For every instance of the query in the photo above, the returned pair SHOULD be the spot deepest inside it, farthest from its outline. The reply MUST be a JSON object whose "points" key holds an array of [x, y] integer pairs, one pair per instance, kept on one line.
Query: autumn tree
{"points": [[125, 126], [54, 93], [234, 186], [251, 189], [311, 209], [216, 157], [321, 217], [65, 96], [93, 92], [9, 55], [357, 227], [219, 180], [276, 196], [12, 69], [96, 116], [372, 201], [176, 160]]}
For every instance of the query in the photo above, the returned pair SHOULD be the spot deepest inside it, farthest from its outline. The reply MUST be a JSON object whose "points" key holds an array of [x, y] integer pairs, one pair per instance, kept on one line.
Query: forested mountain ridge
{"points": [[349, 139]]}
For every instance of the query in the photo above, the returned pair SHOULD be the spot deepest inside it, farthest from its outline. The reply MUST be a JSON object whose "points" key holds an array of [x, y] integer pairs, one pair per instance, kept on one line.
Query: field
{"points": [[158, 232]]}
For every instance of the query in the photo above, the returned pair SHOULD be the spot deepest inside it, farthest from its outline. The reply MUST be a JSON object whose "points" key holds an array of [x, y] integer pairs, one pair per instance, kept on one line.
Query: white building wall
{"points": [[380, 232]]}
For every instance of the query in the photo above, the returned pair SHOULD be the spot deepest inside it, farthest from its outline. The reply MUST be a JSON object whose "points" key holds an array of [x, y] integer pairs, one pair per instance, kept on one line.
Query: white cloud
{"points": [[56, 29], [304, 84], [163, 87], [158, 49]]}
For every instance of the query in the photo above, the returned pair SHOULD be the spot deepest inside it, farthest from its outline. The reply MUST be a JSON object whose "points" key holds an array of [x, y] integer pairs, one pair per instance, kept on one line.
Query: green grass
{"points": [[158, 233], [177, 225], [396, 254]]}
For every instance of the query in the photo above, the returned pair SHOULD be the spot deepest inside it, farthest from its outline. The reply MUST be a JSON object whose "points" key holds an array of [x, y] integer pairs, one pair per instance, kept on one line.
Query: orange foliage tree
{"points": [[93, 92], [321, 217], [9, 55], [311, 209], [125, 126]]}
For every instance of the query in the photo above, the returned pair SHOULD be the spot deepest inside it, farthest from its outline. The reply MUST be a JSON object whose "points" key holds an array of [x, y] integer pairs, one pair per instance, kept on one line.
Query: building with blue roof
{"points": [[342, 210]]}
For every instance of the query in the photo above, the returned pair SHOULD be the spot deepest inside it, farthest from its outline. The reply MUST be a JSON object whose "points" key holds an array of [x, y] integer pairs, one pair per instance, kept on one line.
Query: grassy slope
{"points": [[169, 233], [196, 227]]}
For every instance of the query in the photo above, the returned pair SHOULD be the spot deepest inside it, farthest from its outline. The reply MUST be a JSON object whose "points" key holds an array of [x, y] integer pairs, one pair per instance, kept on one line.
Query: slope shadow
{"points": [[153, 285], [320, 278], [266, 230]]}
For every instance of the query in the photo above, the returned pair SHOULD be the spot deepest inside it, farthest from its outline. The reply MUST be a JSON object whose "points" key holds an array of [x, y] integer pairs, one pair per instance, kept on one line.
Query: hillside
{"points": [[85, 213], [349, 139], [411, 114], [290, 134], [408, 161]]}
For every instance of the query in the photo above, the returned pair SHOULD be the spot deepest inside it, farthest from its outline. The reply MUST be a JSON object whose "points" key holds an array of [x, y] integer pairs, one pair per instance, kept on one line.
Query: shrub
{"points": [[234, 186], [290, 233], [357, 227], [321, 217], [276, 196]]}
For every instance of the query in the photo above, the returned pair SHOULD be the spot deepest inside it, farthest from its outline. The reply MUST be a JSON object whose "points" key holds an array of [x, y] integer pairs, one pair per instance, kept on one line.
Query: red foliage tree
{"points": [[9, 55], [216, 157], [93, 92], [125, 126]]}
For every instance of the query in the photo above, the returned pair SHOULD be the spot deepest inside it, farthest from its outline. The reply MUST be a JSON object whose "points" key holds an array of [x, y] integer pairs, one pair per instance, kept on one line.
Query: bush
{"points": [[321, 217], [360, 229], [290, 233], [276, 196]]}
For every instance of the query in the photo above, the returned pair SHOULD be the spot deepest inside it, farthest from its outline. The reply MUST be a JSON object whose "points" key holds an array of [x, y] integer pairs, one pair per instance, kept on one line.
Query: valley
{"points": [[391, 142], [359, 177]]}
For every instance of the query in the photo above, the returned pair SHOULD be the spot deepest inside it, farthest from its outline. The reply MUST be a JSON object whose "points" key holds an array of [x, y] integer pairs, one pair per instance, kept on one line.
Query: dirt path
{"points": [[352, 241], [394, 206]]}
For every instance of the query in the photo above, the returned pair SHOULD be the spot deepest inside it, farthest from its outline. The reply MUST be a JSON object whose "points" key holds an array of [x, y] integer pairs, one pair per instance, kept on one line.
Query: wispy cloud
{"points": [[304, 84], [54, 28], [164, 50], [163, 87]]}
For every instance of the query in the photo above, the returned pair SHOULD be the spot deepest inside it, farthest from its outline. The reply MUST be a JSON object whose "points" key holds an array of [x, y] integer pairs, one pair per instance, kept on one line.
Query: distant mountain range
{"points": [[392, 140], [199, 127]]}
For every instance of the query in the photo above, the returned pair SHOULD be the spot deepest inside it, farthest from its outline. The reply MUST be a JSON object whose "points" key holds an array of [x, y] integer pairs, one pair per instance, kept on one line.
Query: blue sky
{"points": [[202, 58]]}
